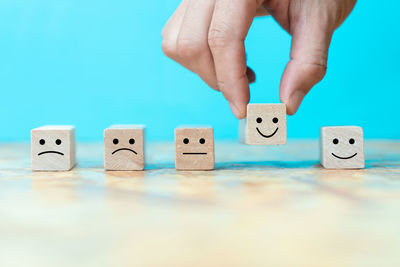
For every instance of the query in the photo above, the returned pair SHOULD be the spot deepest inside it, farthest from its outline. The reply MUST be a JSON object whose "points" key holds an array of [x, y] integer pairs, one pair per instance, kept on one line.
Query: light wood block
{"points": [[194, 148], [53, 148], [265, 125], [342, 147], [124, 148]]}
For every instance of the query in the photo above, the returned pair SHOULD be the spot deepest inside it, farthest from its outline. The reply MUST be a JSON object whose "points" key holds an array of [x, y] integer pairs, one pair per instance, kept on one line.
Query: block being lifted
{"points": [[265, 125]]}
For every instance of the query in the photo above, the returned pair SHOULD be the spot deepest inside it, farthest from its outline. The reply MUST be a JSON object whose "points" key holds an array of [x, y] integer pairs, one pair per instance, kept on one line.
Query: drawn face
{"points": [[351, 141], [259, 121], [194, 148], [53, 148], [131, 142], [266, 124], [124, 149], [343, 147], [189, 146], [56, 145]]}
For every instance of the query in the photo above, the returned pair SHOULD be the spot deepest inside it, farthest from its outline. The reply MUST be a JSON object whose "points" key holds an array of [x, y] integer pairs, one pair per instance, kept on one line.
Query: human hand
{"points": [[207, 37]]}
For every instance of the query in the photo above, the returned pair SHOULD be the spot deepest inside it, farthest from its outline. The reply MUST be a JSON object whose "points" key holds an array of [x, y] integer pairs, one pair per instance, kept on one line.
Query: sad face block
{"points": [[124, 148], [342, 147], [265, 125], [53, 148], [194, 148]]}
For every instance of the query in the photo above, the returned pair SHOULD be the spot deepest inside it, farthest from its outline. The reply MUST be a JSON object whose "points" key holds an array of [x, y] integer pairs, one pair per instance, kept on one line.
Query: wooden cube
{"points": [[124, 148], [265, 125], [53, 148], [194, 148], [342, 147]]}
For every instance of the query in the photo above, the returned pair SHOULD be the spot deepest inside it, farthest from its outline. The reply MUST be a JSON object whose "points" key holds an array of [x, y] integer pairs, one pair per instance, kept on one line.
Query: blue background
{"points": [[96, 63]]}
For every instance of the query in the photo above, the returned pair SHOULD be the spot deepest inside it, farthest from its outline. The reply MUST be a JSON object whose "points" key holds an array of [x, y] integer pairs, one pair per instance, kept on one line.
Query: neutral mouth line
{"points": [[199, 153], [266, 136], [344, 157], [53, 152], [127, 149]]}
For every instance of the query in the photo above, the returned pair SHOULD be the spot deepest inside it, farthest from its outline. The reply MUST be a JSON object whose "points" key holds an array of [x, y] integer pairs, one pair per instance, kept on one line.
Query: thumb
{"points": [[307, 65]]}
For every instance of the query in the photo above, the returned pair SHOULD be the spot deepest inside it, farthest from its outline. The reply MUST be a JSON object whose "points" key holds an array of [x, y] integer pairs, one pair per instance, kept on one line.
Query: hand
{"points": [[207, 37]]}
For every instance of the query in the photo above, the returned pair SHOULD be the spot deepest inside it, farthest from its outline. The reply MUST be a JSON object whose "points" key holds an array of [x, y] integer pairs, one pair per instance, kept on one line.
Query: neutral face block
{"points": [[194, 148], [124, 148], [265, 125], [53, 148], [342, 147]]}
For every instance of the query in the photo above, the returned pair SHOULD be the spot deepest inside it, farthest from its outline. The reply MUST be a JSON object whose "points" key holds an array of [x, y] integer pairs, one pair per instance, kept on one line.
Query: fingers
{"points": [[229, 26], [307, 66], [192, 44], [207, 37], [171, 29]]}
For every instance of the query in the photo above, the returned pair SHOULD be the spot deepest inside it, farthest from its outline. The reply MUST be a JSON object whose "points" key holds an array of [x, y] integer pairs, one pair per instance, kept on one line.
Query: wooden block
{"points": [[342, 147], [194, 148], [265, 125], [124, 148], [53, 148]]}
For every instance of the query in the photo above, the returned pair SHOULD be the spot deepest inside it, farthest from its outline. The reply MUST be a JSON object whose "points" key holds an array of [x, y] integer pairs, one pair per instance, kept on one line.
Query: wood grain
{"points": [[194, 148], [261, 206], [124, 148]]}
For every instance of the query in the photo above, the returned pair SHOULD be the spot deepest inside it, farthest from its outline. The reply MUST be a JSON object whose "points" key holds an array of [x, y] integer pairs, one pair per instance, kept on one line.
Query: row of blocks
{"points": [[53, 147]]}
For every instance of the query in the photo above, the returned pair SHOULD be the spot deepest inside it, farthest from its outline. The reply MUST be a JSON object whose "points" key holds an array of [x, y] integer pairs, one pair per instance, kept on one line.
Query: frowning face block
{"points": [[342, 147], [265, 125], [124, 148], [194, 148], [53, 148]]}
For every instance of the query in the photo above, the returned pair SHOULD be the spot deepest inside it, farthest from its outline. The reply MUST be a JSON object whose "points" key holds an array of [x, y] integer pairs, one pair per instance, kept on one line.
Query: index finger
{"points": [[228, 30]]}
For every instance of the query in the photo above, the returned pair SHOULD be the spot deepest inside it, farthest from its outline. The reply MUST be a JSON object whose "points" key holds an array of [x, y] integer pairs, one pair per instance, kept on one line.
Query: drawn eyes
{"points": [[336, 141], [201, 141], [274, 120], [42, 142], [116, 141]]}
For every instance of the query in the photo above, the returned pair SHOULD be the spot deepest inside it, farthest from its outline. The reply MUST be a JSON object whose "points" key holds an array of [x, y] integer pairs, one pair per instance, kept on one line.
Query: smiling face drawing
{"points": [[53, 148], [259, 120], [342, 147], [265, 125], [124, 148], [194, 148]]}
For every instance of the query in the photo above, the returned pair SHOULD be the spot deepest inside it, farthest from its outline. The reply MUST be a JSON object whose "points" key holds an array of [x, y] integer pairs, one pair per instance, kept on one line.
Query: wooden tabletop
{"points": [[262, 206]]}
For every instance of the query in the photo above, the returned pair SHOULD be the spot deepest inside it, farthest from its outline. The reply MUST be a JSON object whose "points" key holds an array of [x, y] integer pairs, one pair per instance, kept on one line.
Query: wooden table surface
{"points": [[262, 206]]}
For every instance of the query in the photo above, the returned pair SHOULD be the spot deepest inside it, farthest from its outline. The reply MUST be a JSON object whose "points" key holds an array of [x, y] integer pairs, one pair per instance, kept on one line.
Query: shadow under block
{"points": [[53, 148], [194, 148], [265, 124], [124, 148], [342, 147]]}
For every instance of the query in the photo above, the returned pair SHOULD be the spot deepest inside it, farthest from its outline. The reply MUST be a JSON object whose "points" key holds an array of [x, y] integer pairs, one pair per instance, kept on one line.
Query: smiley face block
{"points": [[342, 147], [53, 148], [265, 125], [124, 148], [194, 148]]}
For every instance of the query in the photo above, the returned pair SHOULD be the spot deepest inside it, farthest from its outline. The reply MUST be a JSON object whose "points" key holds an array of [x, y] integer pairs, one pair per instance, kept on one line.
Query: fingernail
{"points": [[251, 76], [237, 111], [294, 101]]}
